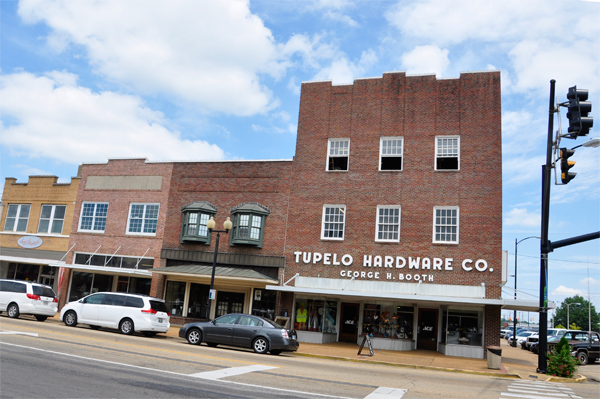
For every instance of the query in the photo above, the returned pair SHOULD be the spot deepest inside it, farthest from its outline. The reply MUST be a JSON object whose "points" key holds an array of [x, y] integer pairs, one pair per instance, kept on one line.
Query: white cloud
{"points": [[591, 281], [426, 59], [339, 17], [567, 292], [522, 217], [209, 53], [50, 117], [342, 70]]}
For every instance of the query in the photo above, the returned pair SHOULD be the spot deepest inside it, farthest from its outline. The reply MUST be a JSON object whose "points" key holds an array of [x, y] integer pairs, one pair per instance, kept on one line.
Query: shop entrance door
{"points": [[229, 302], [349, 322], [427, 330]]}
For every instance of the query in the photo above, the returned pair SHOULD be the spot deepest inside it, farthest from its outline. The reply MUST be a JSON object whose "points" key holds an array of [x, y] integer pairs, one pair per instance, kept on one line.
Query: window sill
{"points": [[444, 243], [91, 231], [446, 170], [336, 171], [141, 234], [391, 170], [331, 239], [22, 233]]}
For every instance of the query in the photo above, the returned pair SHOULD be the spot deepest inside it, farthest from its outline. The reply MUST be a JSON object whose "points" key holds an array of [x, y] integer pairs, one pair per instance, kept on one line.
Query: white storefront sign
{"points": [[29, 242], [412, 264]]}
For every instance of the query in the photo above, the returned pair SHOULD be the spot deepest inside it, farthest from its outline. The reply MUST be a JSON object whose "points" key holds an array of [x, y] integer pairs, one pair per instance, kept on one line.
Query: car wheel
{"points": [[582, 357], [275, 353], [149, 334], [126, 326], [70, 318], [13, 310], [194, 336], [95, 327], [41, 318], [260, 345]]}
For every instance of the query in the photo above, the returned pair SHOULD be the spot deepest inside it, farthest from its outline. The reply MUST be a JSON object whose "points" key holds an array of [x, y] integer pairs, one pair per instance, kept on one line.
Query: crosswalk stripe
{"points": [[538, 390], [386, 393], [18, 333], [514, 395], [527, 391], [229, 372]]}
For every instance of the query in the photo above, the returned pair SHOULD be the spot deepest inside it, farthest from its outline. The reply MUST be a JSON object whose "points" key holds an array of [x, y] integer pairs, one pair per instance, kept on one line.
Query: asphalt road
{"points": [[50, 360]]}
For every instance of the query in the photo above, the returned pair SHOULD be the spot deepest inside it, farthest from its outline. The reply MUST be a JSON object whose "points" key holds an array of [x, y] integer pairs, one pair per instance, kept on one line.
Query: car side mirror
{"points": [[213, 322]]}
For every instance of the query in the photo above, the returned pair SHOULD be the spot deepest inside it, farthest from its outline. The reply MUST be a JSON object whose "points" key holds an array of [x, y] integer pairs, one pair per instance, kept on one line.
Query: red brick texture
{"points": [[417, 109]]}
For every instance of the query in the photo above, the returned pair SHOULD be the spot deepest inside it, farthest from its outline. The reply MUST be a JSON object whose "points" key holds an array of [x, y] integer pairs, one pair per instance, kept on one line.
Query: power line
{"points": [[558, 260]]}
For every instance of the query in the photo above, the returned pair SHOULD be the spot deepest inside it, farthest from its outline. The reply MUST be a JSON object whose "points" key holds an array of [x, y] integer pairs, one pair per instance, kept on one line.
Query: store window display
{"points": [[388, 321], [462, 327], [316, 315]]}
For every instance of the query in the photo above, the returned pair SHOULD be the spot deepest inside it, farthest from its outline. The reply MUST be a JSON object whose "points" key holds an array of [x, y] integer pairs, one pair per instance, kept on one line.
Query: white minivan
{"points": [[123, 311], [19, 297]]}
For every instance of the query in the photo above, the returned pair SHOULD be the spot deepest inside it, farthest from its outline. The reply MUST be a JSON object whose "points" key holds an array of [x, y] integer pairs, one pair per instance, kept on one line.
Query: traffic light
{"points": [[579, 121], [565, 165]]}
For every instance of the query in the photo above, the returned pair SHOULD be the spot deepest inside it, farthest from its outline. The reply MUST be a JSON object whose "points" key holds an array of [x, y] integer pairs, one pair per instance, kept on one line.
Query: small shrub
{"points": [[560, 361]]}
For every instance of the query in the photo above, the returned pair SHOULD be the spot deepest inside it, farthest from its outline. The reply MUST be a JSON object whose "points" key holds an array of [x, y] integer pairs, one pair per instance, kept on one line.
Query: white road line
{"points": [[386, 393], [216, 374], [178, 374], [18, 333], [539, 389], [514, 395], [554, 394]]}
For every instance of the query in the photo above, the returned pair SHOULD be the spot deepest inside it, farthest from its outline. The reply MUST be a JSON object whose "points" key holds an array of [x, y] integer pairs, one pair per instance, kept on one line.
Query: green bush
{"points": [[560, 361]]}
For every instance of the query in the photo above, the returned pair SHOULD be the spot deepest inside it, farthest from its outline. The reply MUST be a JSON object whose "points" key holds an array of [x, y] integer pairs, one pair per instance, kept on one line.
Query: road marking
{"points": [[386, 393], [231, 371], [154, 371], [149, 347], [18, 333], [538, 390]]}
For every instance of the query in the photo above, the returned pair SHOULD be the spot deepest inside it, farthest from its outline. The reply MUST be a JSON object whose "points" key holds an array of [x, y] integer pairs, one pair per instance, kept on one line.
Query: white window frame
{"points": [[435, 209], [382, 155], [141, 233], [437, 139], [94, 216], [333, 206], [17, 217], [329, 155], [382, 207], [51, 219]]}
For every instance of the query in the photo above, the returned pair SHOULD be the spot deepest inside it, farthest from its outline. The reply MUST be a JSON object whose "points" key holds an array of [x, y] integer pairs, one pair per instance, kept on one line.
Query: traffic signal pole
{"points": [[546, 175]]}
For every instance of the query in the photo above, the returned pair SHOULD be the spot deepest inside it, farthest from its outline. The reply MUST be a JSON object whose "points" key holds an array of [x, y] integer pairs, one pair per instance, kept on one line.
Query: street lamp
{"points": [[514, 343], [226, 228], [568, 307]]}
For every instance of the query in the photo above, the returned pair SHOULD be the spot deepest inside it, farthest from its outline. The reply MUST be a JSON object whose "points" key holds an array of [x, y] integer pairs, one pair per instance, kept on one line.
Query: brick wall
{"points": [[417, 108], [492, 326]]}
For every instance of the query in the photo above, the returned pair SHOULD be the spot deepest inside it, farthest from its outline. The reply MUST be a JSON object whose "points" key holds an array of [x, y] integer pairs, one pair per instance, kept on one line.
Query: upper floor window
{"points": [[93, 216], [445, 225], [388, 224], [52, 219], [248, 224], [338, 152], [17, 217], [390, 153], [195, 216], [143, 219], [447, 153], [334, 221]]}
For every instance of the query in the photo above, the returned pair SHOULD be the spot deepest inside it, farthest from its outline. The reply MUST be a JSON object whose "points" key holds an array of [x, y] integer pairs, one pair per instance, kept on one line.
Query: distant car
{"points": [[123, 311], [521, 337], [247, 331], [26, 297], [551, 332], [509, 333]]}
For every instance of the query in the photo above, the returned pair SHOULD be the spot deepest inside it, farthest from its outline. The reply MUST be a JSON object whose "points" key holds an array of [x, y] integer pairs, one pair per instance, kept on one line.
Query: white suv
{"points": [[19, 297], [125, 312]]}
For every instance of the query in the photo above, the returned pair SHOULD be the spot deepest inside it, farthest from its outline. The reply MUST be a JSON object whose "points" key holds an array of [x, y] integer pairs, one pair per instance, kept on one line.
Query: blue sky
{"points": [[85, 81]]}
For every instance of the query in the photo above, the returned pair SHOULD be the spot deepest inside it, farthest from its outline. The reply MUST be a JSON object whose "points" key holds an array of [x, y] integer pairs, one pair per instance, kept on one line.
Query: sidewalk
{"points": [[516, 362]]}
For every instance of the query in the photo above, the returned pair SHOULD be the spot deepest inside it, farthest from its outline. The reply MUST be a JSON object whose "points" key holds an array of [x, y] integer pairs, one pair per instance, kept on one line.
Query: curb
{"points": [[412, 366], [580, 378]]}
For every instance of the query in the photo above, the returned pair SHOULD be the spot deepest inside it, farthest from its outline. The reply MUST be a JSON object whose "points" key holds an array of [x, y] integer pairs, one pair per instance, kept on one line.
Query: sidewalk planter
{"points": [[494, 357]]}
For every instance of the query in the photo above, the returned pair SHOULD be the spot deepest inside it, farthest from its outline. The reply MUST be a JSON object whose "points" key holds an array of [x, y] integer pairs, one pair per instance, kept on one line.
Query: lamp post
{"points": [[515, 312], [568, 319], [226, 228]]}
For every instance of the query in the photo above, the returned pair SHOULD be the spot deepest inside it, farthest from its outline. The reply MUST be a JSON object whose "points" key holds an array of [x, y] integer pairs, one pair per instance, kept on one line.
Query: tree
{"points": [[577, 314]]}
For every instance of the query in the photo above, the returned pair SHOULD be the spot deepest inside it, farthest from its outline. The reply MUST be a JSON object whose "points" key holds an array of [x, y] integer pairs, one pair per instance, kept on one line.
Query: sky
{"points": [[84, 81]]}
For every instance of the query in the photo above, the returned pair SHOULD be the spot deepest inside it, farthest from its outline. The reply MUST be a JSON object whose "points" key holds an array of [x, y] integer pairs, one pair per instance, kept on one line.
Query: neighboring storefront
{"points": [[35, 228]]}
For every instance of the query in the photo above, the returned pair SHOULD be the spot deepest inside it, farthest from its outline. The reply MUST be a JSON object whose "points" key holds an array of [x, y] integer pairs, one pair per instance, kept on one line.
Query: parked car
{"points": [[587, 350], [26, 297], [504, 331], [260, 334], [509, 334], [122, 311], [521, 337], [551, 332]]}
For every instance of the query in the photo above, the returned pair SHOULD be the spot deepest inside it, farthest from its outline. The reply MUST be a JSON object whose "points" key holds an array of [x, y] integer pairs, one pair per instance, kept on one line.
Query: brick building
{"points": [[36, 226], [387, 222], [395, 225]]}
